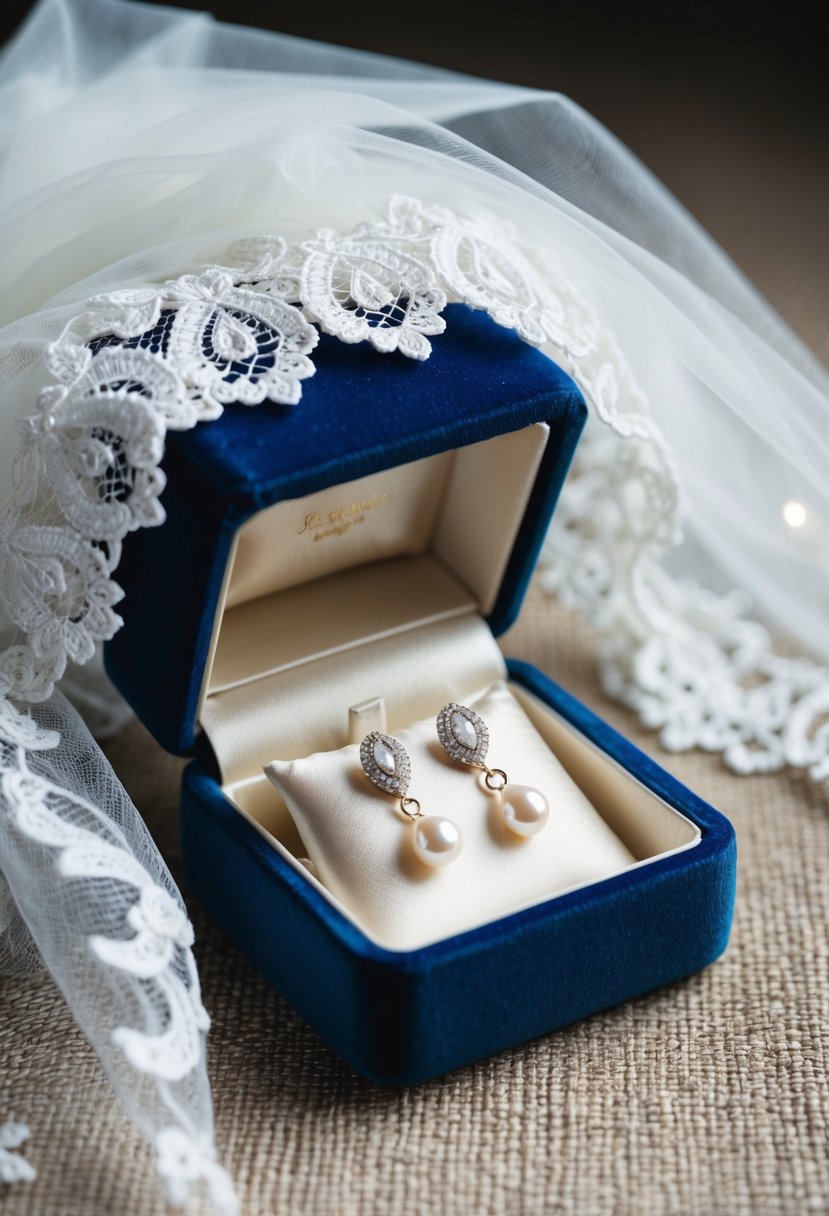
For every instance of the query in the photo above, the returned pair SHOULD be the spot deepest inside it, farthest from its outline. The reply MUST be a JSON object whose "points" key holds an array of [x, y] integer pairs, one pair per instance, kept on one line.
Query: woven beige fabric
{"points": [[708, 1098]]}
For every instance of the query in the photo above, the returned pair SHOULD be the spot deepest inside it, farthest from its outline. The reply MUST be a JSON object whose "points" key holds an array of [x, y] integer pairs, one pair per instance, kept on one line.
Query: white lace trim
{"points": [[13, 1166], [138, 363], [183, 1161], [690, 663], [149, 954]]}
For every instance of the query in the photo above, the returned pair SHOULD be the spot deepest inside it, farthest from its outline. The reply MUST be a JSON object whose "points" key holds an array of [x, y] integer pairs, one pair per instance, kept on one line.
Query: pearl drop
{"points": [[464, 731], [525, 809], [436, 841], [384, 757]]}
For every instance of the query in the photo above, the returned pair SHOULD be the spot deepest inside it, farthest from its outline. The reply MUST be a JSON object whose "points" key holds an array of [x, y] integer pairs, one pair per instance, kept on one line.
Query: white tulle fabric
{"points": [[93, 896], [161, 173]]}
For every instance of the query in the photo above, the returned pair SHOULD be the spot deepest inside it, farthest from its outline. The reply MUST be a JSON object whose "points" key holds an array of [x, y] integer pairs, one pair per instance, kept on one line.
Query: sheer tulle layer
{"points": [[124, 125]]}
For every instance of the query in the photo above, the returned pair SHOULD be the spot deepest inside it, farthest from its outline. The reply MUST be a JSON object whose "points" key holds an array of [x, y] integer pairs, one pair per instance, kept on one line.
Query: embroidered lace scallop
{"points": [[138, 333]]}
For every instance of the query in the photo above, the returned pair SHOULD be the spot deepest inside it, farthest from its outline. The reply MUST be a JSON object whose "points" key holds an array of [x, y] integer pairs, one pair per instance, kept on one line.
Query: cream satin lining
{"points": [[331, 599], [642, 825], [464, 506], [345, 610], [646, 824], [304, 708], [371, 557], [361, 848], [388, 514]]}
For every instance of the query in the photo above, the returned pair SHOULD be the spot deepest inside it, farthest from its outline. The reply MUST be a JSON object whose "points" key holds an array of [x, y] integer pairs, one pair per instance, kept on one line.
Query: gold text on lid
{"points": [[321, 524]]}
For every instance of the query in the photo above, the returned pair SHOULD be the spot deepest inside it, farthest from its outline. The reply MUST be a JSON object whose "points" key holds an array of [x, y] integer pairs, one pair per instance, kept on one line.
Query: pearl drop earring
{"points": [[435, 841], [464, 736]]}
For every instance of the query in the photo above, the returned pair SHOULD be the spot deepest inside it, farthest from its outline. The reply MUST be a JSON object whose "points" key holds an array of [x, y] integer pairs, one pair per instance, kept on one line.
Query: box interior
{"points": [[322, 592], [380, 587]]}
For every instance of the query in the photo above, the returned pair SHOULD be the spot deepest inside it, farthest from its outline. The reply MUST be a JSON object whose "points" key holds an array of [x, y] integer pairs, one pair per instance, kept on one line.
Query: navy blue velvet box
{"points": [[396, 503]]}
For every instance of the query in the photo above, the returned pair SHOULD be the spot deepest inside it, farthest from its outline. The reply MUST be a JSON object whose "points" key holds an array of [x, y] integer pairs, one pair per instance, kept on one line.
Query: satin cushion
{"points": [[361, 844]]}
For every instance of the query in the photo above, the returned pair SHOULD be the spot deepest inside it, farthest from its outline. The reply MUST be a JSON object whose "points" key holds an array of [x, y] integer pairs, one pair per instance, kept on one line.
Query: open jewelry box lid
{"points": [[362, 413]]}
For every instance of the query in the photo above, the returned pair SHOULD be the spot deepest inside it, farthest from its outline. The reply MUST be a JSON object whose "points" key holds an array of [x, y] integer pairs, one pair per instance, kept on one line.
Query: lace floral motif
{"points": [[182, 1161], [146, 949], [689, 662], [368, 290], [14, 1167]]}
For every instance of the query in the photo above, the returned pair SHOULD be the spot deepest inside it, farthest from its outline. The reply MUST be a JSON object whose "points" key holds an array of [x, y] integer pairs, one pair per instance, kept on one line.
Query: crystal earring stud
{"points": [[435, 841], [464, 737]]}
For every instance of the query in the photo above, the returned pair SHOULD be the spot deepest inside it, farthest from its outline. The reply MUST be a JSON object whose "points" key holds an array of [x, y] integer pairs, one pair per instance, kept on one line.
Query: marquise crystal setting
{"points": [[435, 841], [463, 734], [386, 763]]}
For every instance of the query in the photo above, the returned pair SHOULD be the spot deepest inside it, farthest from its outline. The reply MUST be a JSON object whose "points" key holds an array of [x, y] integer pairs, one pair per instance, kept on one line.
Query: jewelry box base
{"points": [[400, 1018]]}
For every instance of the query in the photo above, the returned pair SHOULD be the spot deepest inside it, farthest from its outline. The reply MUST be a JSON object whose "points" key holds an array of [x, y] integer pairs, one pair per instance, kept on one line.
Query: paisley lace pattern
{"points": [[138, 363], [146, 950], [690, 663]]}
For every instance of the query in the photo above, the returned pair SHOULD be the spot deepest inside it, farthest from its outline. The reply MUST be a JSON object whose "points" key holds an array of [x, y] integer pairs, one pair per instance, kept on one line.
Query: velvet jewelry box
{"points": [[374, 540]]}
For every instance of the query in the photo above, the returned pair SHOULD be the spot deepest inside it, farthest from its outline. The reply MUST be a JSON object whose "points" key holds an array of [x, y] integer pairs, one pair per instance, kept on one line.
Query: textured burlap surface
{"points": [[708, 1097]]}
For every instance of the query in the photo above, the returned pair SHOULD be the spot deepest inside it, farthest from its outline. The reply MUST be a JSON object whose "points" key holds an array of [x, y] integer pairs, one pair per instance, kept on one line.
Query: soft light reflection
{"points": [[794, 514]]}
